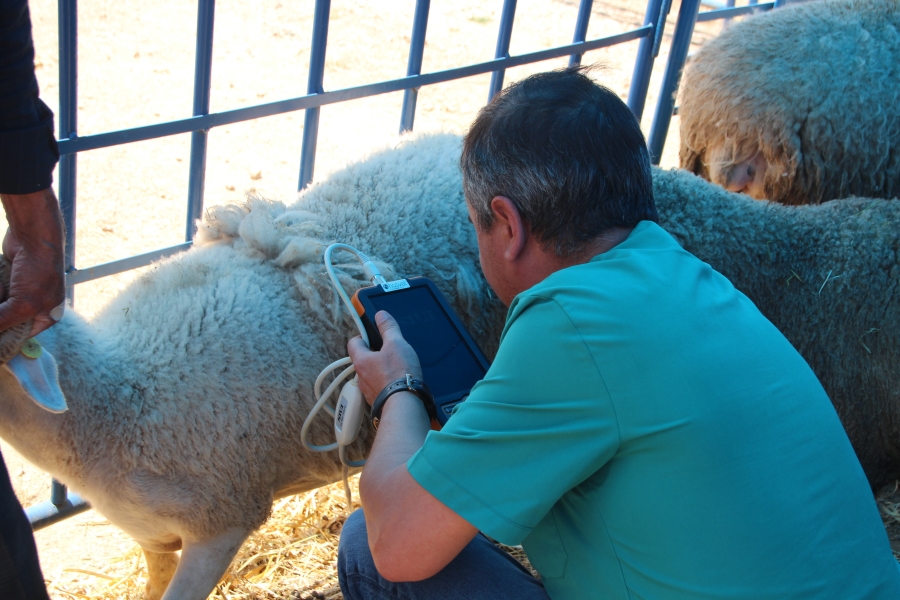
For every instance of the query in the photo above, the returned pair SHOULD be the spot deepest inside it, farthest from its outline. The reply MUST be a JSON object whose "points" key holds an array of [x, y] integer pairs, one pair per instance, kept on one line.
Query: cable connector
{"points": [[371, 271]]}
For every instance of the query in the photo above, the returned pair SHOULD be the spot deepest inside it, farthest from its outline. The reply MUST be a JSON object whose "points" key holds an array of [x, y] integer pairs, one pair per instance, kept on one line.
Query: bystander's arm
{"points": [[34, 246], [28, 153], [412, 535]]}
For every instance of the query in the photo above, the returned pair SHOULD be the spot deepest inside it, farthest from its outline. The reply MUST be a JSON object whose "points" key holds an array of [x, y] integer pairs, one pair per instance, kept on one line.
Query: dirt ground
{"points": [[136, 67]]}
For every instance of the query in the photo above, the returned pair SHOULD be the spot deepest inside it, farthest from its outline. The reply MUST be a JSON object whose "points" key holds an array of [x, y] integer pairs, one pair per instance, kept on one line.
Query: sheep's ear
{"points": [[39, 378]]}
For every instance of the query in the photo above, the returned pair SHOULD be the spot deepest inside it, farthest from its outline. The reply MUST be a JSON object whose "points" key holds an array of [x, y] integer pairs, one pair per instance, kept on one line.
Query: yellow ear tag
{"points": [[32, 348]]}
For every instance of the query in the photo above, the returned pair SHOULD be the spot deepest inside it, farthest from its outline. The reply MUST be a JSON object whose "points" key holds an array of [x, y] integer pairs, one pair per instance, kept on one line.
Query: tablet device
{"points": [[451, 360]]}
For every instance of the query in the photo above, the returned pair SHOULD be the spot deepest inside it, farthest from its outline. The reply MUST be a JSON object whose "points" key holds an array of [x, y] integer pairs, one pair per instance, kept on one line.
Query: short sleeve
{"points": [[538, 424], [28, 149]]}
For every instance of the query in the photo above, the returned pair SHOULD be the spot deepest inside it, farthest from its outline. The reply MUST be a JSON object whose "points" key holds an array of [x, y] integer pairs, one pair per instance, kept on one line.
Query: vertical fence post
{"points": [[581, 26], [681, 41], [58, 494], [503, 38], [648, 49], [68, 128], [68, 122], [314, 86], [414, 65], [202, 82], [727, 22]]}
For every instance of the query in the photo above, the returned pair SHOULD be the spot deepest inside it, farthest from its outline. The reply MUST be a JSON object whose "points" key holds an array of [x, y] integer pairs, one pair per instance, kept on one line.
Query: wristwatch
{"points": [[407, 384]]}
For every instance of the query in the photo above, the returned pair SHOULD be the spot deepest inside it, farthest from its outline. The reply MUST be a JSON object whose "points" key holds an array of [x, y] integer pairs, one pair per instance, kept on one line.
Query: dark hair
{"points": [[567, 152]]}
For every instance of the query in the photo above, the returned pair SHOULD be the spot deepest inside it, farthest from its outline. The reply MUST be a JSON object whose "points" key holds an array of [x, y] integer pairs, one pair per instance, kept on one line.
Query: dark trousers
{"points": [[20, 572], [481, 570]]}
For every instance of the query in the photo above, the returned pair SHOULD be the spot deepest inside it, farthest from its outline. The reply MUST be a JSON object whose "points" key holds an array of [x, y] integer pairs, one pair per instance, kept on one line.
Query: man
{"points": [[643, 432], [34, 245]]}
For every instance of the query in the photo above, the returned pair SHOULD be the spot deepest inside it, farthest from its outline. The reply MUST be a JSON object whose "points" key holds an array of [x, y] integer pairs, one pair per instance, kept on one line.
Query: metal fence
{"points": [[650, 34], [688, 16]]}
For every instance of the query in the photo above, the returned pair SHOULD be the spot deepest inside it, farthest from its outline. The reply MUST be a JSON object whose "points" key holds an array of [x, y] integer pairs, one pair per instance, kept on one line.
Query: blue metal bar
{"points": [[68, 121], [643, 64], [681, 41], [202, 82], [414, 65], [729, 13], [149, 132], [76, 276], [503, 38], [658, 36], [581, 26], [50, 512], [68, 128], [728, 4], [780, 3], [314, 86], [57, 493]]}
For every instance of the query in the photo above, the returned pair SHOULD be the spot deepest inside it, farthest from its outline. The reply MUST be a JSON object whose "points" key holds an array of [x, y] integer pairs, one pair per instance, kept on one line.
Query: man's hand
{"points": [[34, 245], [378, 369], [412, 534]]}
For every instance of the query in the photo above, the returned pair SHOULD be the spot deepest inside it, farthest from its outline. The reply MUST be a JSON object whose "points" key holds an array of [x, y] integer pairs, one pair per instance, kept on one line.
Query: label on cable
{"points": [[393, 286]]}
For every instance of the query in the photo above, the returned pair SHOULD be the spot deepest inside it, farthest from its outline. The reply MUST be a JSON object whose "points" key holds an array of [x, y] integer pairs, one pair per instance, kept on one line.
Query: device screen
{"points": [[448, 365]]}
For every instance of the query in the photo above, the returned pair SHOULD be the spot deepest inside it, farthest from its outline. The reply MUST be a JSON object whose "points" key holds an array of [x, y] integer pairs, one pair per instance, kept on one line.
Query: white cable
{"points": [[317, 388], [320, 402], [374, 275], [346, 465], [369, 269], [346, 461], [345, 472]]}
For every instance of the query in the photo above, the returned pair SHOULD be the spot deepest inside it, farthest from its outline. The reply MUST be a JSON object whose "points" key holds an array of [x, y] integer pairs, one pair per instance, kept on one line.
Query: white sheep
{"points": [[798, 105], [188, 392], [826, 275]]}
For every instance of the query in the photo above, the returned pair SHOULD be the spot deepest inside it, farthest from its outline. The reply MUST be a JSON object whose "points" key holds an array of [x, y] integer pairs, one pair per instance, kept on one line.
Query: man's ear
{"points": [[513, 229]]}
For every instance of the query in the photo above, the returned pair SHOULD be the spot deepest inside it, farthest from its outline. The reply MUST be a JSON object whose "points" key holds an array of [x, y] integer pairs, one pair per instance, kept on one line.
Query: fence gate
{"points": [[63, 504]]}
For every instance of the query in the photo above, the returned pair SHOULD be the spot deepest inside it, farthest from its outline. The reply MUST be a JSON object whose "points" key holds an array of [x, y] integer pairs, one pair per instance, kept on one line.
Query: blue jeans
{"points": [[481, 570]]}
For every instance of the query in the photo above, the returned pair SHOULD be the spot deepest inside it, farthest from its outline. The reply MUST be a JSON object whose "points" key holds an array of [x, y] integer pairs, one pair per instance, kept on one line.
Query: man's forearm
{"points": [[404, 425], [412, 534]]}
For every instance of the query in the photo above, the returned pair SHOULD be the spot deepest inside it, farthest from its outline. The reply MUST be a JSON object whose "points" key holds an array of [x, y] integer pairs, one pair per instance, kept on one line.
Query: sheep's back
{"points": [[218, 358], [827, 276], [402, 206]]}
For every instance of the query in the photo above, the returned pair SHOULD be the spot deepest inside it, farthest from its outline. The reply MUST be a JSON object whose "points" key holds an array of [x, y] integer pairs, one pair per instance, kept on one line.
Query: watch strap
{"points": [[406, 384]]}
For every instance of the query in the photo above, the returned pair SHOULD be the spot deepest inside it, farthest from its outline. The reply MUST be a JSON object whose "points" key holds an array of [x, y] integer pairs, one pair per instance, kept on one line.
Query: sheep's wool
{"points": [[815, 87], [193, 384], [188, 392], [828, 278]]}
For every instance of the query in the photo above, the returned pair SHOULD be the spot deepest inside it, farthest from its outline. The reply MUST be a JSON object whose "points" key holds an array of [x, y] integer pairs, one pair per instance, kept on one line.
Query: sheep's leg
{"points": [[160, 569], [202, 565]]}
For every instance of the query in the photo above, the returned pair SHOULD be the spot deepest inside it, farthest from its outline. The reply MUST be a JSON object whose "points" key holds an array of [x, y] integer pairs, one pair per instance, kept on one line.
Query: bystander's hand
{"points": [[395, 359], [34, 244]]}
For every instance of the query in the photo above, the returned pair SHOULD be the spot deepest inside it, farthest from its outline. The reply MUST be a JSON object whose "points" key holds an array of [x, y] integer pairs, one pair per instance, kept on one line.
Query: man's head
{"points": [[569, 155]]}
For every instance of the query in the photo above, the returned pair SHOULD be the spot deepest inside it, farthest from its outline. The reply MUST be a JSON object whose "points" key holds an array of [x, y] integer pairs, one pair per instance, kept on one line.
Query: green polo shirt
{"points": [[644, 432]]}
